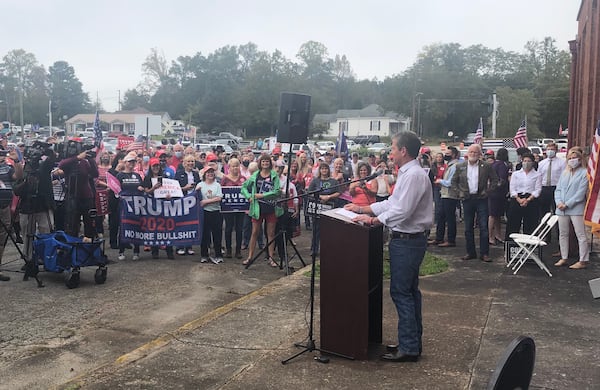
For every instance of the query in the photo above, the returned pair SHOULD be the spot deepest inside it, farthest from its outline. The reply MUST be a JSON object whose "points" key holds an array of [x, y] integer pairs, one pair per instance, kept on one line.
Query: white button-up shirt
{"points": [[473, 177], [410, 207], [526, 183], [558, 167]]}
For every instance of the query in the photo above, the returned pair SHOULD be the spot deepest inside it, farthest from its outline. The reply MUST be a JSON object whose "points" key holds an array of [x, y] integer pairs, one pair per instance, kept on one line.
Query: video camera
{"points": [[72, 148], [34, 152]]}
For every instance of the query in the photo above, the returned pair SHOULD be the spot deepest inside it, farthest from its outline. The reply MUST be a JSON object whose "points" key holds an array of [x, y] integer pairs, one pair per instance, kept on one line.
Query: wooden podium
{"points": [[351, 285]]}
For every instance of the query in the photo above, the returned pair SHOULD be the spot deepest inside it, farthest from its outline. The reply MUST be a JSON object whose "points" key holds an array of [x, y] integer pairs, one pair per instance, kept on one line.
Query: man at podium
{"points": [[409, 213]]}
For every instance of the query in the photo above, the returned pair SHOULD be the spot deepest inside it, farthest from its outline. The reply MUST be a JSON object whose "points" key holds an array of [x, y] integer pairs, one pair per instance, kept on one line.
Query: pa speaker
{"points": [[294, 114]]}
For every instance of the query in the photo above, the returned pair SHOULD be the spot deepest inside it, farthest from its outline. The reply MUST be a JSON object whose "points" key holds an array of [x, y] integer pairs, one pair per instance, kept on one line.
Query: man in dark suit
{"points": [[472, 180]]}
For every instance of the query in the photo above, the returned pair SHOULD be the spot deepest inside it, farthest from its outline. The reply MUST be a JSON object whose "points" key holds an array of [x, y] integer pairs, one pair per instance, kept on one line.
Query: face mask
{"points": [[246, 163], [550, 153], [527, 165], [447, 157], [104, 160], [573, 162], [146, 159], [472, 160], [178, 154]]}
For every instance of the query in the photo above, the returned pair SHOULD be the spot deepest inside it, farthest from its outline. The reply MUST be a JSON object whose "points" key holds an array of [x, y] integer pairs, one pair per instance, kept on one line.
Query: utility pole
{"points": [[49, 115], [494, 113], [119, 105]]}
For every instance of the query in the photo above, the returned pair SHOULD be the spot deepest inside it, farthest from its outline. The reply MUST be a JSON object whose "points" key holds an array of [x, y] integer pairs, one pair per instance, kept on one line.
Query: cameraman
{"points": [[8, 174], [80, 171], [35, 190]]}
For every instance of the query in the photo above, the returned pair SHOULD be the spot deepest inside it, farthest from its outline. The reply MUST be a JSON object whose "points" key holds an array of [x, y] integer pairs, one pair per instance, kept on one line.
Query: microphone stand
{"points": [[310, 344]]}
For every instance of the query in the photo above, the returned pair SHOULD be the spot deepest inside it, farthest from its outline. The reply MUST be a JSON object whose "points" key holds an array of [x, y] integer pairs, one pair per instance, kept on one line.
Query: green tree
{"points": [[20, 66], [66, 92], [515, 105]]}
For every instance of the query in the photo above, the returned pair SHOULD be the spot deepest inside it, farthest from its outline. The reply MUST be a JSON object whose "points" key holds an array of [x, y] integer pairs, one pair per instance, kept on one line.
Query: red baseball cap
{"points": [[211, 157], [154, 161]]}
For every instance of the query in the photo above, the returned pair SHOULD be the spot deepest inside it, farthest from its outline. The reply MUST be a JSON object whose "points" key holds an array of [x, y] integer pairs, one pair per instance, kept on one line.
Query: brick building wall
{"points": [[584, 103]]}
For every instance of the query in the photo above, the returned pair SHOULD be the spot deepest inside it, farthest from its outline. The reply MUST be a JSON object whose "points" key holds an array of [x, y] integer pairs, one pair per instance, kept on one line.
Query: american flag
{"points": [[521, 136], [592, 207], [593, 159], [97, 131], [479, 133]]}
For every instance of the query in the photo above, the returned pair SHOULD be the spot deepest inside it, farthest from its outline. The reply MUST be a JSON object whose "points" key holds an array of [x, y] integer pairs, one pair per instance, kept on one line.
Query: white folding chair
{"points": [[521, 235], [529, 243]]}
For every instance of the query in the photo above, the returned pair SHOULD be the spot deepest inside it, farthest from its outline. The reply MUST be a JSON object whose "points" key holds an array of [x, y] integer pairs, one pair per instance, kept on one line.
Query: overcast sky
{"points": [[106, 41]]}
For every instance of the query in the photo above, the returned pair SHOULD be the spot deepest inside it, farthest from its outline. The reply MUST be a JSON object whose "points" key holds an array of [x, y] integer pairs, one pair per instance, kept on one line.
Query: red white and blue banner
{"points": [[149, 221], [233, 201]]}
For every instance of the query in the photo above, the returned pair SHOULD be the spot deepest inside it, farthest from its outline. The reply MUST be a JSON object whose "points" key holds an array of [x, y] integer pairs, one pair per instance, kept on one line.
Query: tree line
{"points": [[238, 87]]}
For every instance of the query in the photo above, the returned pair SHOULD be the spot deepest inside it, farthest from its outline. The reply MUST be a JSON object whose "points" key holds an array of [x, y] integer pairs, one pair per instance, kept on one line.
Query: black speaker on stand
{"points": [[294, 116]]}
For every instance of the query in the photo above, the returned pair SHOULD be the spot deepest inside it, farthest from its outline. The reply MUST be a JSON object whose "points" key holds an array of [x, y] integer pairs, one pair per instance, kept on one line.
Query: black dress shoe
{"points": [[4, 278], [486, 258], [391, 347], [399, 357], [468, 257]]}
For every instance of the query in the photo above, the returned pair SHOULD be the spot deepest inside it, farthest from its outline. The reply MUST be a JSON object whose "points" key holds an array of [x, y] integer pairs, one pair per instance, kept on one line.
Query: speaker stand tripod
{"points": [[310, 344]]}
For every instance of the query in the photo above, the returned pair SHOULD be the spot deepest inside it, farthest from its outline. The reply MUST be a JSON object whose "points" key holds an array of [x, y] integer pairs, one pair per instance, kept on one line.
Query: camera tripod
{"points": [[282, 239], [31, 267]]}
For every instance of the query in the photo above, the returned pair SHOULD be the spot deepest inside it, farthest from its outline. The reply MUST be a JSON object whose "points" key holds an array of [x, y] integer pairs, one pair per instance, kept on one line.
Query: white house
{"points": [[133, 122], [371, 120]]}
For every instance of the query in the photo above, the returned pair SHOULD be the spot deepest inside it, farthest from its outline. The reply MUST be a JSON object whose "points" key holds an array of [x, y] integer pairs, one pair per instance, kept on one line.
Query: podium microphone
{"points": [[372, 176]]}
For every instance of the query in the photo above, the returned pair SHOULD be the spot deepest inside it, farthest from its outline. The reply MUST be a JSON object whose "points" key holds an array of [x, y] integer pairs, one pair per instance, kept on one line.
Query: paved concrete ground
{"points": [[471, 313]]}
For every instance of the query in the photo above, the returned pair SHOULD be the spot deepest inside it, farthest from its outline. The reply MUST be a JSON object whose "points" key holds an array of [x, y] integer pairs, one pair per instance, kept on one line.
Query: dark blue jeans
{"points": [[471, 208], [406, 256], [437, 202], [447, 216], [234, 222]]}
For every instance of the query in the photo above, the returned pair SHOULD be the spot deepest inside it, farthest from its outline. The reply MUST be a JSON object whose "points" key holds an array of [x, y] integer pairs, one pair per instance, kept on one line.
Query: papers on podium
{"points": [[342, 214]]}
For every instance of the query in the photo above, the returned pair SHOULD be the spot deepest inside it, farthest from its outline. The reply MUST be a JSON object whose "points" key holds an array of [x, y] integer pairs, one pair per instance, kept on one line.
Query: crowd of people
{"points": [[486, 189], [56, 190]]}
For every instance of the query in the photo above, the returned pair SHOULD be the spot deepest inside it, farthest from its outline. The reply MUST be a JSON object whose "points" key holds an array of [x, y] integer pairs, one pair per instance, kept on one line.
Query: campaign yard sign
{"points": [[233, 201], [149, 221], [168, 188]]}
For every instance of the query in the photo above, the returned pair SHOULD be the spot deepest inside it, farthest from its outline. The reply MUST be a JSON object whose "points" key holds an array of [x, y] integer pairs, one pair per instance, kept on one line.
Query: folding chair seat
{"points": [[521, 235], [528, 243], [537, 229]]}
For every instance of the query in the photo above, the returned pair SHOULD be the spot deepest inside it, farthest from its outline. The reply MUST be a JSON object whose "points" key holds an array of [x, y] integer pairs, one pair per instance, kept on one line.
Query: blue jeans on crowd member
{"points": [[406, 256], [233, 222], [447, 217], [479, 207], [437, 203]]}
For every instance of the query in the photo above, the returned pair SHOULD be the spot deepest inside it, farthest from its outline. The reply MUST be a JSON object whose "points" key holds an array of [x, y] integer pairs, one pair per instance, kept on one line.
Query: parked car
{"points": [[227, 141], [379, 147], [366, 139], [544, 141], [352, 145], [562, 144], [325, 146], [226, 134]]}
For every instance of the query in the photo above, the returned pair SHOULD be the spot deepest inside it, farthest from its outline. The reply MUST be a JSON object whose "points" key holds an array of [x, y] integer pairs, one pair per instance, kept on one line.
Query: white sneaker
{"points": [[135, 257], [216, 260], [181, 251], [121, 257], [204, 259]]}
